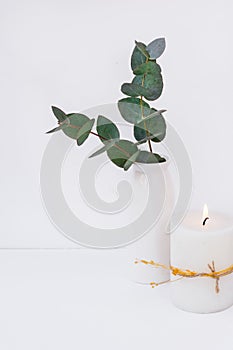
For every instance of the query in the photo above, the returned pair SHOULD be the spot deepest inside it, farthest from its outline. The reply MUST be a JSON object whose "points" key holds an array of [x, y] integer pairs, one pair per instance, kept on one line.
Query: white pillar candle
{"points": [[202, 248]]}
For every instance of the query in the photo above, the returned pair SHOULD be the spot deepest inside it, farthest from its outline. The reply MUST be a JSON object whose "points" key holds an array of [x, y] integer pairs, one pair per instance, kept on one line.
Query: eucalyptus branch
{"points": [[149, 124]]}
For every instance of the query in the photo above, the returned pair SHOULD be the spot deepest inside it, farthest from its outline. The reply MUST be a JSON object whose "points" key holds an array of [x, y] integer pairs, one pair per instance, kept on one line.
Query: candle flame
{"points": [[205, 215]]}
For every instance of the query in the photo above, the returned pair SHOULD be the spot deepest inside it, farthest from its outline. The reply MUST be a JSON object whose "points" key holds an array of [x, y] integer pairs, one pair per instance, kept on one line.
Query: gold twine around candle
{"points": [[189, 273]]}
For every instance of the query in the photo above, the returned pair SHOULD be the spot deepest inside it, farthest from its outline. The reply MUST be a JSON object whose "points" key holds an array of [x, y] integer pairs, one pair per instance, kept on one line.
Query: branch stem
{"points": [[142, 110]]}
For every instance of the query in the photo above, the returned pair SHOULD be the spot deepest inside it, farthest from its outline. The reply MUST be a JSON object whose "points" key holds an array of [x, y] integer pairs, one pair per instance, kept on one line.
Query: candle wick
{"points": [[204, 222]]}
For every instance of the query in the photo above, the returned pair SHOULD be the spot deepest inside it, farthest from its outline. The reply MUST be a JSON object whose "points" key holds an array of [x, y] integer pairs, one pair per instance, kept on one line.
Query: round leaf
{"points": [[133, 90], [149, 158], [137, 58], [121, 152], [154, 125], [156, 48], [132, 109], [107, 129], [76, 121], [152, 85]]}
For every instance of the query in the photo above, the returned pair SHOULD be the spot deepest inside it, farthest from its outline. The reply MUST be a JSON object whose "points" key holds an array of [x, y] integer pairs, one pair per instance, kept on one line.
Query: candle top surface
{"points": [[216, 222]]}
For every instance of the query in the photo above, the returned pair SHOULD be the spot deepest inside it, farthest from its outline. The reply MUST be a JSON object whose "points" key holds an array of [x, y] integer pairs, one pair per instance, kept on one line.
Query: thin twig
{"points": [[193, 274]]}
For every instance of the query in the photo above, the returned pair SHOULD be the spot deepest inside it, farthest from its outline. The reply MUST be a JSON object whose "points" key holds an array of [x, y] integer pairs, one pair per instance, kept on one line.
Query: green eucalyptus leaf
{"points": [[140, 133], [142, 48], [154, 125], [106, 129], [137, 58], [156, 48], [149, 158], [131, 160], [132, 109], [84, 131], [59, 114], [121, 152], [149, 67], [152, 85], [60, 127], [76, 121], [133, 90], [107, 146]]}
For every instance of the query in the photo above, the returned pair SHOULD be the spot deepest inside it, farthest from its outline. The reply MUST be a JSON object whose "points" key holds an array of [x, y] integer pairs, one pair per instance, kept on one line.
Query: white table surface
{"points": [[82, 299]]}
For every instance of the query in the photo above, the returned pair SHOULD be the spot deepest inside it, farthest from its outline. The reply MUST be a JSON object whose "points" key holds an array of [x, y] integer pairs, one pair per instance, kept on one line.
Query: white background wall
{"points": [[75, 54]]}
